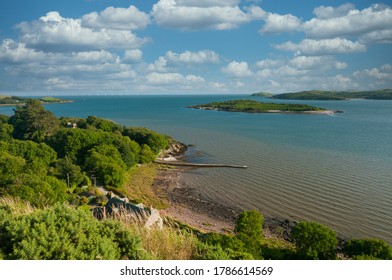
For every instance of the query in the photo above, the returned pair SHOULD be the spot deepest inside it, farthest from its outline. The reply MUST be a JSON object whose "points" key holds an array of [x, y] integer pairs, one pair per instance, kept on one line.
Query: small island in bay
{"points": [[252, 106], [384, 94], [263, 94], [17, 100]]}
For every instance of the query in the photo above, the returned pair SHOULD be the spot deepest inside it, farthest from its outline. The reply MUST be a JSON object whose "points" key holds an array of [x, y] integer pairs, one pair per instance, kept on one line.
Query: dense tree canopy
{"points": [[142, 135]]}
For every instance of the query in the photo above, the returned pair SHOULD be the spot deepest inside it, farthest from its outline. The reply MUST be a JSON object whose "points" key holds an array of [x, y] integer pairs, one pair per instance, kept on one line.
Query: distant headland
{"points": [[252, 106], [17, 100], [384, 94]]}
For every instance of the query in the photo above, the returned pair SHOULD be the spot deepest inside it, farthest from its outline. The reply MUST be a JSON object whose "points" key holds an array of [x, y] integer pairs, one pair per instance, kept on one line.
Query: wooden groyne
{"points": [[181, 163]]}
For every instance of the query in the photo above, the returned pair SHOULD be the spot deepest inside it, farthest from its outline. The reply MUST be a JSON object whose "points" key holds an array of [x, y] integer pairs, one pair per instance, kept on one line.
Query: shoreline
{"points": [[207, 215], [186, 207], [185, 204]]}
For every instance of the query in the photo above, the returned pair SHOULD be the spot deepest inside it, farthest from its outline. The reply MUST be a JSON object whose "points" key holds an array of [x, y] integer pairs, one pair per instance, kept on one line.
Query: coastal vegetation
{"points": [[385, 94], [49, 164], [17, 100], [252, 106]]}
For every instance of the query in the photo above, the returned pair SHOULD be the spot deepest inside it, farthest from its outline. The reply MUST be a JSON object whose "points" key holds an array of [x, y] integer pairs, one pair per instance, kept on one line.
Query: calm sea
{"points": [[336, 170]]}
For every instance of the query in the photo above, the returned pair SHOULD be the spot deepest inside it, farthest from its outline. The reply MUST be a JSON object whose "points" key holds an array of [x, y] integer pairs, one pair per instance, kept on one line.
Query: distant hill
{"points": [[262, 94], [384, 94]]}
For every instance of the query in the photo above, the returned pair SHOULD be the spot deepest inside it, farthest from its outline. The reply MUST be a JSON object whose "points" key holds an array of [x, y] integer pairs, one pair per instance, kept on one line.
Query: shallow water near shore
{"points": [[336, 170]]}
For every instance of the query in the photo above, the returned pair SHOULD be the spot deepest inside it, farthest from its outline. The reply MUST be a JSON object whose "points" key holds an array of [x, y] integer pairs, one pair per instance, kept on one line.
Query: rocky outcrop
{"points": [[174, 151], [128, 212]]}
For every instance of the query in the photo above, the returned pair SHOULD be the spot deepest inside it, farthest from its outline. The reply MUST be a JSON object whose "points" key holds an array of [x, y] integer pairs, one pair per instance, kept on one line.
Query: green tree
{"points": [[249, 229], [314, 241], [368, 248], [250, 223], [146, 136], [72, 173], [76, 143], [108, 171], [105, 125], [146, 155], [32, 151], [33, 122]]}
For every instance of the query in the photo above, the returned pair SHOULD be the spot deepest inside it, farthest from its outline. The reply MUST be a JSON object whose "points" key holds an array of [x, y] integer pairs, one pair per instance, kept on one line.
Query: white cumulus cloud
{"points": [[346, 21], [53, 32], [11, 51], [237, 69], [275, 23], [195, 15], [117, 18], [328, 12], [323, 47], [317, 62], [133, 55]]}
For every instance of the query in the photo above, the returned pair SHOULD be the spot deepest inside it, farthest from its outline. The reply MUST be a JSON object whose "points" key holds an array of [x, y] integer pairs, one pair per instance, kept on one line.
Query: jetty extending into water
{"points": [[181, 163]]}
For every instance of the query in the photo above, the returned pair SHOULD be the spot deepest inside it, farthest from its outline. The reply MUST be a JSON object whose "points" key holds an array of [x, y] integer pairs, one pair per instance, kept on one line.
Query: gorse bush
{"points": [[63, 233]]}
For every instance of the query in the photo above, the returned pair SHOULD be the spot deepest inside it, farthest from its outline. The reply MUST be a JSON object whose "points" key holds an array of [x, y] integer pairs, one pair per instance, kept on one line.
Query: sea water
{"points": [[333, 169]]}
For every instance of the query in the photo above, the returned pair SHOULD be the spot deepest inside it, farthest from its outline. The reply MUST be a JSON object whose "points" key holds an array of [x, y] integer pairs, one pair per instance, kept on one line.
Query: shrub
{"points": [[40, 191], [314, 241], [63, 233], [210, 252], [205, 251], [368, 248]]}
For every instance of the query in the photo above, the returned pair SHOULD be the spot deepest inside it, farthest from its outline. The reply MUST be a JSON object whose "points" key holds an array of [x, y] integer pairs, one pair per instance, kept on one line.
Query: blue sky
{"points": [[193, 46]]}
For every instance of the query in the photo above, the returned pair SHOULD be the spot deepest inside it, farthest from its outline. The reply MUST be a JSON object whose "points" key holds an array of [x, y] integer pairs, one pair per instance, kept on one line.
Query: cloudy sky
{"points": [[194, 46]]}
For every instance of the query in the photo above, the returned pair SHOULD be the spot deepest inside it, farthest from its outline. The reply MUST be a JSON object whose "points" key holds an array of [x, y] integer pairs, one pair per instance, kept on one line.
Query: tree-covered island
{"points": [[17, 100], [252, 106]]}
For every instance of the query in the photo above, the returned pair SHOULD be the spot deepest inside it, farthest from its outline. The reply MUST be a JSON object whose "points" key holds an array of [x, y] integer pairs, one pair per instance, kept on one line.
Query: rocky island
{"points": [[252, 106]]}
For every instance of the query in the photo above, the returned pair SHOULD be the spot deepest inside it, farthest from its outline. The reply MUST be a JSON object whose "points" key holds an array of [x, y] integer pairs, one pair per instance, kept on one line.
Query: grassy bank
{"points": [[138, 186]]}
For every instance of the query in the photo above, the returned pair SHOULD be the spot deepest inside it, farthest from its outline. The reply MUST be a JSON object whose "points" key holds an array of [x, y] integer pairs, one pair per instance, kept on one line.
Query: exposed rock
{"points": [[174, 151]]}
